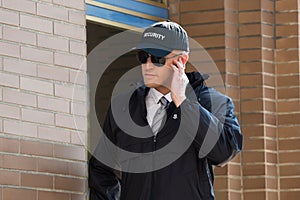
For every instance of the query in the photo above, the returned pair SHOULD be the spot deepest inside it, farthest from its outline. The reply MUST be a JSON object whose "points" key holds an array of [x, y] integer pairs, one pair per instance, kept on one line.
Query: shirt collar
{"points": [[156, 95]]}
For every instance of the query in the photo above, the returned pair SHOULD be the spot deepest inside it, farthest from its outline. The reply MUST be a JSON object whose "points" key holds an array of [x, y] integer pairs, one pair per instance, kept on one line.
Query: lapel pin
{"points": [[175, 116]]}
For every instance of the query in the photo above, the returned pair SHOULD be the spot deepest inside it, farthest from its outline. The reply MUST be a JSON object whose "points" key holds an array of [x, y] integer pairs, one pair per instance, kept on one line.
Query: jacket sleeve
{"points": [[219, 137], [103, 181]]}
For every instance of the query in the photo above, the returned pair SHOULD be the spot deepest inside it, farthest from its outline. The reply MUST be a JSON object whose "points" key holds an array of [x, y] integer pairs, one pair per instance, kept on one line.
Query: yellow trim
{"points": [[123, 10], [111, 23], [153, 3]]}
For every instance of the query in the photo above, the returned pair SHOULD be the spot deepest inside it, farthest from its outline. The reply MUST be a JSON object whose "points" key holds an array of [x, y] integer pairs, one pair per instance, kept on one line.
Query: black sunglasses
{"points": [[142, 57]]}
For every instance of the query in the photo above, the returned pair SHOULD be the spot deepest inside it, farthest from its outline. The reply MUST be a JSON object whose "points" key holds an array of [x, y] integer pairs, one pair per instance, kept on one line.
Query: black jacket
{"points": [[190, 176]]}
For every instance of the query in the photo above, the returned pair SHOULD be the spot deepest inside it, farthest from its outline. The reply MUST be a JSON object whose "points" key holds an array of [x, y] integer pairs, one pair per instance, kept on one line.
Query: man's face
{"points": [[159, 77]]}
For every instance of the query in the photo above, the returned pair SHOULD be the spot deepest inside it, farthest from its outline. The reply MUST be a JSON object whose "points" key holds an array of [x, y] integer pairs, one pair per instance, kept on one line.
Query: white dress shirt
{"points": [[152, 103]]}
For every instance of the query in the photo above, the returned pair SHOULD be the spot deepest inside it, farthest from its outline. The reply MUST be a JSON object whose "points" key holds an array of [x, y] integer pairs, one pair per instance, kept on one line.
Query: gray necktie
{"points": [[160, 115]]}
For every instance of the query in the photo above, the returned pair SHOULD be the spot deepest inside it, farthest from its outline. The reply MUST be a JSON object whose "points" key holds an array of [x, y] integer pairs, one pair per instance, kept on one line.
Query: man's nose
{"points": [[149, 63]]}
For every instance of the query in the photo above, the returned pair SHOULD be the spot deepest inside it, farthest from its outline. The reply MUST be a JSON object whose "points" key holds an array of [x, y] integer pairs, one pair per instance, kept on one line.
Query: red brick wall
{"points": [[42, 151], [255, 45]]}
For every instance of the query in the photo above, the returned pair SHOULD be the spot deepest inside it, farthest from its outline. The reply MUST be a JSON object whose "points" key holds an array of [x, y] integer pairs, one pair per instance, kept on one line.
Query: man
{"points": [[171, 104]]}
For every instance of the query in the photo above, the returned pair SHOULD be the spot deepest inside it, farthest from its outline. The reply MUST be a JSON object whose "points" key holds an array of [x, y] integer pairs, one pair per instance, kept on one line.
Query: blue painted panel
{"points": [[139, 7], [117, 16]]}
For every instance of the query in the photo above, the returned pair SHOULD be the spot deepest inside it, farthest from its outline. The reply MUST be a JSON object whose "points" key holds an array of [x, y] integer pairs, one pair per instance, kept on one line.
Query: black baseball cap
{"points": [[163, 37]]}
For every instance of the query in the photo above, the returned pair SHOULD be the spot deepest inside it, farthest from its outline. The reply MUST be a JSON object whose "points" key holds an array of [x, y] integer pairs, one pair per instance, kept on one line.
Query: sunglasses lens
{"points": [[158, 61], [142, 57]]}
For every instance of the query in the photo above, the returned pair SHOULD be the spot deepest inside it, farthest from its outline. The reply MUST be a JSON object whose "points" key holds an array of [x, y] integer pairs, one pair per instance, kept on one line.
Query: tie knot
{"points": [[163, 102]]}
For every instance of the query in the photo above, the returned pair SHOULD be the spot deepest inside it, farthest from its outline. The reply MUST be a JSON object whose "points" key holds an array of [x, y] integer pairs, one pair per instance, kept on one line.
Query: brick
{"points": [[292, 144], [19, 97], [69, 60], [34, 54], [206, 30], [35, 85], [253, 119], [53, 42], [19, 162], [187, 6], [252, 105], [289, 157], [17, 193], [70, 30], [9, 178], [80, 5], [286, 43], [268, 18], [70, 92], [9, 111], [245, 5], [49, 103], [288, 106], [231, 17], [20, 128], [79, 108], [37, 116], [251, 68], [247, 80], [36, 148], [52, 11], [289, 183], [254, 183], [290, 194], [78, 77], [250, 29], [71, 121], [53, 73], [232, 30], [254, 144], [250, 55], [77, 169], [69, 152], [271, 158], [254, 170], [53, 166], [79, 138], [249, 17], [10, 80], [20, 5], [289, 170], [286, 5], [36, 180], [286, 30], [78, 197], [70, 184], [286, 17], [35, 23], [287, 81], [18, 35], [287, 68], [202, 17], [9, 17], [254, 195], [78, 48], [54, 134], [287, 93], [19, 67], [288, 132], [286, 56], [9, 145], [53, 195], [9, 49], [284, 119], [207, 42], [77, 17], [250, 42], [252, 156]]}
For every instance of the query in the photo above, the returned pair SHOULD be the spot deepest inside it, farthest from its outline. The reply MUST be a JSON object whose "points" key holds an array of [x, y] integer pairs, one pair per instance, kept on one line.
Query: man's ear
{"points": [[184, 58]]}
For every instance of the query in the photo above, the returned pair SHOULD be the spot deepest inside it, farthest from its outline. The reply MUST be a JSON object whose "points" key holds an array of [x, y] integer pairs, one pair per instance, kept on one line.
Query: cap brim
{"points": [[153, 49]]}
